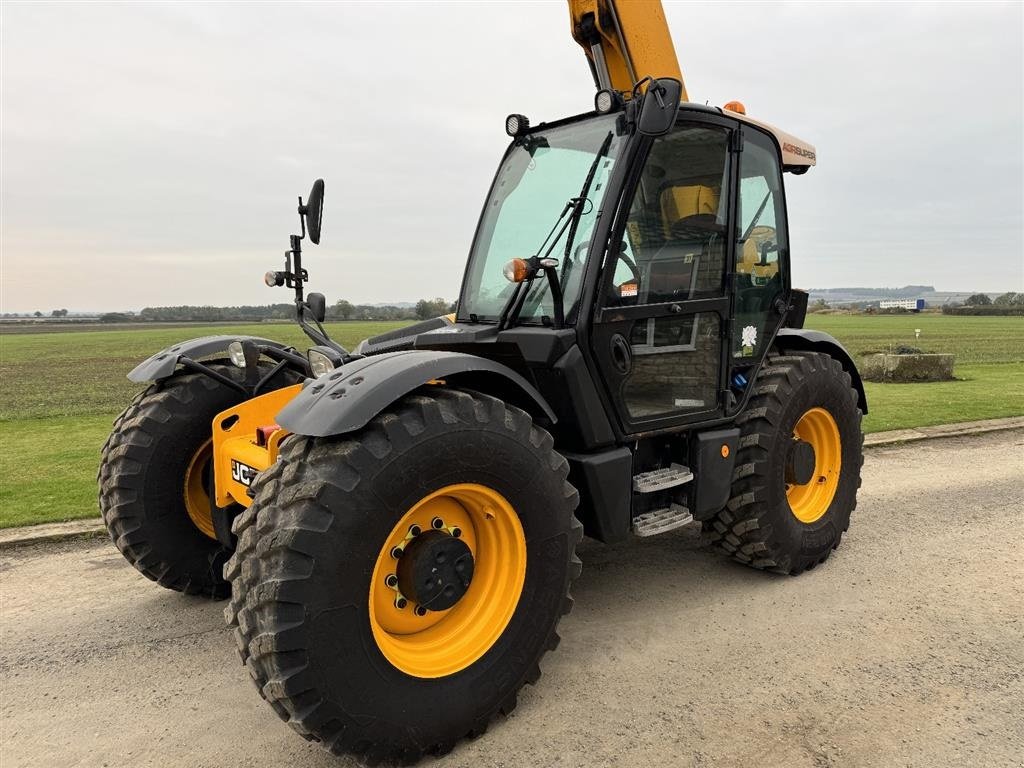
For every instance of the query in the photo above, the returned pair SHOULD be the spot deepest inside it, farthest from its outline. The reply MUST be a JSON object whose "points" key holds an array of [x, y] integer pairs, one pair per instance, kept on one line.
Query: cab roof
{"points": [[797, 154]]}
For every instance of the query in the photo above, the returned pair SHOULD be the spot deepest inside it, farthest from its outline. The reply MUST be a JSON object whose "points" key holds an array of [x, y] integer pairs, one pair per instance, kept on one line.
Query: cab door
{"points": [[661, 323]]}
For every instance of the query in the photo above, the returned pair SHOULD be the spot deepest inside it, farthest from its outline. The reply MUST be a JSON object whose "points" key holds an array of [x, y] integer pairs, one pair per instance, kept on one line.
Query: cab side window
{"points": [[674, 243], [760, 243]]}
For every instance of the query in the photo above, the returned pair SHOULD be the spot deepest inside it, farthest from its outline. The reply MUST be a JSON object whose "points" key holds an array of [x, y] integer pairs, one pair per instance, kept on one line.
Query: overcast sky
{"points": [[152, 154]]}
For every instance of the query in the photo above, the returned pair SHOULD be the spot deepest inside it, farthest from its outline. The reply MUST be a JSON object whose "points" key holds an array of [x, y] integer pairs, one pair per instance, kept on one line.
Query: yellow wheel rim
{"points": [[441, 643], [810, 501], [197, 500]]}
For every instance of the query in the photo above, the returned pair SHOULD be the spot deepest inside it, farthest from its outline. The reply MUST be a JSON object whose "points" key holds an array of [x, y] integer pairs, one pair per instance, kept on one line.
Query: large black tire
{"points": [[308, 545], [757, 526], [142, 469]]}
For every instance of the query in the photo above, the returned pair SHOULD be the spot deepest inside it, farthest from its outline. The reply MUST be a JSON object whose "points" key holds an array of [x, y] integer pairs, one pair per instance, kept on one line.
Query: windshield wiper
{"points": [[577, 213], [537, 263]]}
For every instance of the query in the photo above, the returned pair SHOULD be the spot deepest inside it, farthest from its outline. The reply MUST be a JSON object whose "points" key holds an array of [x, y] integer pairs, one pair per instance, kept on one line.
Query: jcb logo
{"points": [[242, 473]]}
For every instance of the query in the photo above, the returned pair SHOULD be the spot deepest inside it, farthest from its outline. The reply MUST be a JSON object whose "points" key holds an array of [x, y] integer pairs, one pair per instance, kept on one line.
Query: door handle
{"points": [[622, 355]]}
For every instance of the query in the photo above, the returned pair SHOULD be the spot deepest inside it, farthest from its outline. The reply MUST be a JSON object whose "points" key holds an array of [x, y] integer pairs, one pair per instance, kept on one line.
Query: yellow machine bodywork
{"points": [[625, 41], [237, 453]]}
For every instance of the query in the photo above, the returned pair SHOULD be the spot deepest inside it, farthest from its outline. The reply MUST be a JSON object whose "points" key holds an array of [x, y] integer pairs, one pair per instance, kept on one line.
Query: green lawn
{"points": [[971, 339], [989, 366], [83, 372], [60, 391], [48, 468]]}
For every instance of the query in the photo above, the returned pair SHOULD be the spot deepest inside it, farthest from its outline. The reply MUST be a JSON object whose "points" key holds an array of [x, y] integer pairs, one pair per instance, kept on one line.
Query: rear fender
{"points": [[346, 399], [164, 363], [803, 340]]}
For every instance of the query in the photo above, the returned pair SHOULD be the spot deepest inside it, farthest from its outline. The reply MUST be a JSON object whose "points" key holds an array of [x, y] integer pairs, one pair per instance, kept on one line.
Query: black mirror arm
{"points": [[315, 331], [302, 218], [556, 295]]}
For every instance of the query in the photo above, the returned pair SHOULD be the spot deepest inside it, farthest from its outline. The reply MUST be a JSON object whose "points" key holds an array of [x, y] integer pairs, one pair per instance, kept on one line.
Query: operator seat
{"points": [[693, 245]]}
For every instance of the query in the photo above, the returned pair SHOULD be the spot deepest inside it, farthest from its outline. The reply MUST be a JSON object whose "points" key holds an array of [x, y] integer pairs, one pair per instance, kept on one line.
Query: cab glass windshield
{"points": [[539, 175]]}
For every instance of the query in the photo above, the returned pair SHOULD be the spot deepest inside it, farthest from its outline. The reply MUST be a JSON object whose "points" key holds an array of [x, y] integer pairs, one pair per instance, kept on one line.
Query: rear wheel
{"points": [[393, 589], [798, 467], [155, 480]]}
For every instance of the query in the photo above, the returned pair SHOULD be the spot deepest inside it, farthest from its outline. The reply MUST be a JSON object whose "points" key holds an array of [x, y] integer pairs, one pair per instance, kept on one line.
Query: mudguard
{"points": [[163, 363], [805, 340], [346, 399]]}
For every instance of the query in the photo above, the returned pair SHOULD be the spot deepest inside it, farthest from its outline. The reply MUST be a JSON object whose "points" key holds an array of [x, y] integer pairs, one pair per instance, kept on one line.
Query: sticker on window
{"points": [[749, 340], [628, 289]]}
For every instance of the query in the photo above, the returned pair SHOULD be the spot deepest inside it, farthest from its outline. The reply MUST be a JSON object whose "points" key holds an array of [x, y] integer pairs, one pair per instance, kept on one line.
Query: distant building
{"points": [[915, 305]]}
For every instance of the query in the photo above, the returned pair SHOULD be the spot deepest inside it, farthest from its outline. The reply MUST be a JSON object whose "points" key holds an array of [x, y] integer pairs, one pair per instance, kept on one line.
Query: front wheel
{"points": [[393, 589], [797, 469]]}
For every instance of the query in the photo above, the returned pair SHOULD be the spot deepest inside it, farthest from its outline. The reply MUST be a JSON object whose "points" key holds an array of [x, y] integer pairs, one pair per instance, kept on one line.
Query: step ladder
{"points": [[661, 520], [661, 479]]}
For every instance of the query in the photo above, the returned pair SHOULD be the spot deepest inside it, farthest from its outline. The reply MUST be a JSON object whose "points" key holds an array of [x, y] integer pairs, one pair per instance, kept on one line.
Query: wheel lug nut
{"points": [[437, 523], [391, 580], [396, 552], [415, 530], [420, 610], [400, 602], [456, 532]]}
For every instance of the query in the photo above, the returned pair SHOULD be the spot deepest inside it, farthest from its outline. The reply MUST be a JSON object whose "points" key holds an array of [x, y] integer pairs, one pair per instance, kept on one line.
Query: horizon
{"points": [[405, 304]]}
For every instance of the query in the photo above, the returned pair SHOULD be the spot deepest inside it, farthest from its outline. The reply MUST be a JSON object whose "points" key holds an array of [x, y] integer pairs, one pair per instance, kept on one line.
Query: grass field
{"points": [[59, 391]]}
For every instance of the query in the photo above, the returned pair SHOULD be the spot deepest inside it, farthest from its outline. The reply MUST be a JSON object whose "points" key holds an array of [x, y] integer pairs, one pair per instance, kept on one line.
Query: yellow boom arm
{"points": [[624, 40]]}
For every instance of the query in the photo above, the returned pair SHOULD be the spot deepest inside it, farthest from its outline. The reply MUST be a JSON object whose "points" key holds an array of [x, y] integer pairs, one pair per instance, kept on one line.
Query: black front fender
{"points": [[164, 363], [805, 340], [346, 399]]}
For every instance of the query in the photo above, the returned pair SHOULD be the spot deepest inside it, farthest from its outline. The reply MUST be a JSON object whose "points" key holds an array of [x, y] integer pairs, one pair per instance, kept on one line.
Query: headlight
{"points": [[319, 363], [237, 353]]}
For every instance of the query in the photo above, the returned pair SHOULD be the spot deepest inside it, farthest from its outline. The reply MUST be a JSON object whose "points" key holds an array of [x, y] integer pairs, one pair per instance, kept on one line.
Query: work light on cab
{"points": [[607, 100], [516, 125]]}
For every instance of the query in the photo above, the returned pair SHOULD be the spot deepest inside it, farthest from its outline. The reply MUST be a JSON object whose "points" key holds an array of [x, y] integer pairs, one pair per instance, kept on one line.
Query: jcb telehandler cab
{"points": [[396, 526]]}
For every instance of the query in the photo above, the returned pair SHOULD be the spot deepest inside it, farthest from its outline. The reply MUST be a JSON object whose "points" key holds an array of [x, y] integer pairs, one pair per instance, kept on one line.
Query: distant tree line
{"points": [[340, 310], [1010, 303], [423, 309], [906, 292]]}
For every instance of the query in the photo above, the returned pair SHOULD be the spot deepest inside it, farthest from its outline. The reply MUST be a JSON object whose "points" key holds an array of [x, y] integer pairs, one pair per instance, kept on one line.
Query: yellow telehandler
{"points": [[396, 525]]}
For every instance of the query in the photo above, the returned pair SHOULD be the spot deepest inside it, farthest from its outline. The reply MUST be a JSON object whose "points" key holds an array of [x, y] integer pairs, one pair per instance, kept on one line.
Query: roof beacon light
{"points": [[736, 106], [516, 124]]}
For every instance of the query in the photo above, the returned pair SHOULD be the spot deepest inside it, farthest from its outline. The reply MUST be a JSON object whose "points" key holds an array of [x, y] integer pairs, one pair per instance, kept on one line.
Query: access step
{"points": [[660, 479], [661, 520]]}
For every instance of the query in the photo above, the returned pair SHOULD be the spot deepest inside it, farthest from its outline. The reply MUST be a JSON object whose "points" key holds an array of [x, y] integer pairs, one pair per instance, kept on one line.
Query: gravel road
{"points": [[905, 649]]}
